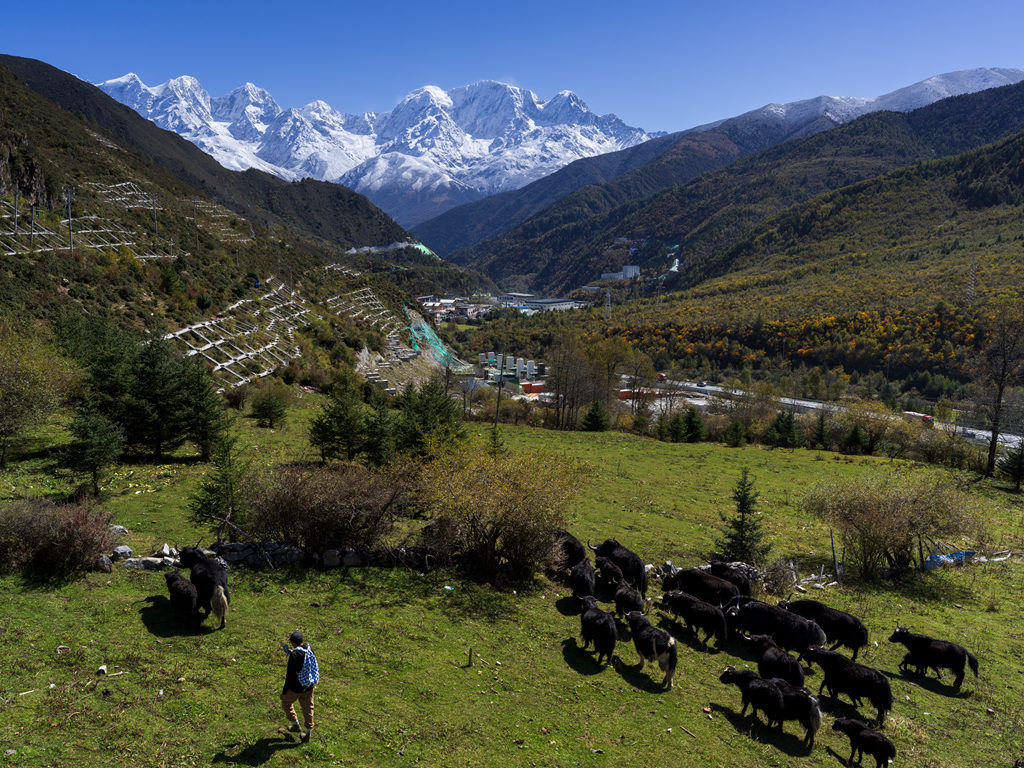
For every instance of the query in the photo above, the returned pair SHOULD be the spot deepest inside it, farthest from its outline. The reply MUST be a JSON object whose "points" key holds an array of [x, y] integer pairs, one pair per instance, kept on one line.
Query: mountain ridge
{"points": [[696, 150], [457, 145]]}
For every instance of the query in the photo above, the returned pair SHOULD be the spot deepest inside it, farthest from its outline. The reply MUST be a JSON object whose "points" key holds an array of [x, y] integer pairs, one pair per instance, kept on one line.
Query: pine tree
{"points": [[98, 443], [429, 416], [597, 418], [495, 443], [693, 426], [783, 431], [339, 427], [269, 408], [379, 446], [220, 498], [819, 437], [676, 428], [157, 411], [742, 536], [208, 422], [1011, 464], [736, 434]]}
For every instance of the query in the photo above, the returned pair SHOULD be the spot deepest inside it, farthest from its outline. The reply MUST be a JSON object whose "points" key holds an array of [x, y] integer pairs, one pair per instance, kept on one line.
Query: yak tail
{"points": [[973, 661], [219, 603], [673, 657], [814, 719]]}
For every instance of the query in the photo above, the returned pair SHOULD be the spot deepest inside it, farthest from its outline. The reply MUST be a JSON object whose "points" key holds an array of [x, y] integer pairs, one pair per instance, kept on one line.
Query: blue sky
{"points": [[658, 65]]}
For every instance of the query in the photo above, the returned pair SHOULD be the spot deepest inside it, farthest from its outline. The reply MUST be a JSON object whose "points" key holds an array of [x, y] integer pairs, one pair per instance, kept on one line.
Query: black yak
{"points": [[789, 631], [598, 627], [801, 705], [582, 578], [864, 739], [568, 549], [609, 574], [183, 597], [855, 680], [629, 563], [773, 661], [841, 628], [924, 651], [628, 599], [653, 644], [733, 575], [208, 576], [756, 692], [708, 587], [698, 615]]}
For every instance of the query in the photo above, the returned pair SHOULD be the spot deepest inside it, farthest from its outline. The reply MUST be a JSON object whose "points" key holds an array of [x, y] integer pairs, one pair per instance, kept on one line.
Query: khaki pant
{"points": [[305, 700]]}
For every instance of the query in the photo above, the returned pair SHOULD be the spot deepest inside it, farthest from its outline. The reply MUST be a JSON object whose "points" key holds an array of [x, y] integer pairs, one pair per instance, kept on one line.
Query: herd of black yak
{"points": [[716, 601]]}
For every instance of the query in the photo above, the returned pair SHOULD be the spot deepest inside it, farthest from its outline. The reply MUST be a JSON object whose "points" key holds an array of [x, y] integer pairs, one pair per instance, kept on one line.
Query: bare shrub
{"points": [[51, 542], [884, 522], [495, 511], [344, 505]]}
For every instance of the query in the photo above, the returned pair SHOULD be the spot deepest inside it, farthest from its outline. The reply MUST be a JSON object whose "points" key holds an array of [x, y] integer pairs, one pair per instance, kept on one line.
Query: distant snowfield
{"points": [[438, 149]]}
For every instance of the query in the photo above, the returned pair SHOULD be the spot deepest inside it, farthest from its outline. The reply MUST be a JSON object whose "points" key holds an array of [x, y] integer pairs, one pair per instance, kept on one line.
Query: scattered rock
{"points": [[990, 711], [119, 531], [169, 562], [103, 564], [62, 649], [121, 552], [351, 559], [106, 691], [10, 752], [180, 679], [164, 551], [102, 670], [332, 558]]}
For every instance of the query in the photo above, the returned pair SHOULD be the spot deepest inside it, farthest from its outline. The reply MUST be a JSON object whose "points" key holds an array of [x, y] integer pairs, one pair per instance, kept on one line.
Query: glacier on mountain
{"points": [[434, 150], [437, 149]]}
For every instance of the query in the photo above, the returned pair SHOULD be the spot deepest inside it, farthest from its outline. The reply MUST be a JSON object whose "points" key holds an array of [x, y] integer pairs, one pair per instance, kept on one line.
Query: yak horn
{"points": [[591, 547]]}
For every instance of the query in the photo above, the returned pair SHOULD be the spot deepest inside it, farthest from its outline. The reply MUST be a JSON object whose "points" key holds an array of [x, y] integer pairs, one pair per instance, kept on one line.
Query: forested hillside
{"points": [[569, 247]]}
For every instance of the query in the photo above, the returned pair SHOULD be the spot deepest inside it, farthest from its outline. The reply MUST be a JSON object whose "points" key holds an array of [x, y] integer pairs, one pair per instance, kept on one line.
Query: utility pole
{"points": [[607, 304], [68, 196], [195, 219], [497, 404]]}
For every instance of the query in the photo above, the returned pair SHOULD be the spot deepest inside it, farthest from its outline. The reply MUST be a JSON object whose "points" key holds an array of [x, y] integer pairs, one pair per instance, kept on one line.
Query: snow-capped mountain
{"points": [[809, 116], [436, 149]]}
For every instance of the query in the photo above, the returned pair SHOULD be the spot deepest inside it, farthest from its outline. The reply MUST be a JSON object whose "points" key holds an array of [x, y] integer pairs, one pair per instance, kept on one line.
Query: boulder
{"points": [[121, 552], [332, 558], [118, 531], [103, 564], [144, 563], [351, 558]]}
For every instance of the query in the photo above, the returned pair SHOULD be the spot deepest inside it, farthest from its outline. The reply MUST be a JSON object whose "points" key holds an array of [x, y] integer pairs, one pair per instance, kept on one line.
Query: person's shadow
{"points": [[258, 752]]}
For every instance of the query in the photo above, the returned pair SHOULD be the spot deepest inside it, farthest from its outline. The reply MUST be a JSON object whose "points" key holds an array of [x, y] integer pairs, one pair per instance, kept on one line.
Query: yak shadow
{"points": [[932, 684], [258, 752], [836, 755], [581, 661], [638, 677], [678, 630], [839, 708], [568, 605], [160, 618], [791, 744]]}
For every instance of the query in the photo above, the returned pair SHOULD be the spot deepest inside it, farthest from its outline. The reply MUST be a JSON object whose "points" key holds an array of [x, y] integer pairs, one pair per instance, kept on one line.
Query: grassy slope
{"points": [[393, 644]]}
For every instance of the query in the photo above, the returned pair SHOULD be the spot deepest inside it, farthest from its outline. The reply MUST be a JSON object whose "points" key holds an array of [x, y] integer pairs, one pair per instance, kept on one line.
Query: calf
{"points": [[864, 739], [653, 644], [924, 651], [706, 586], [609, 574], [731, 574], [789, 631], [598, 627], [841, 628], [757, 693], [855, 680], [628, 599], [207, 574], [801, 705], [183, 597], [581, 579], [773, 661], [698, 615]]}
